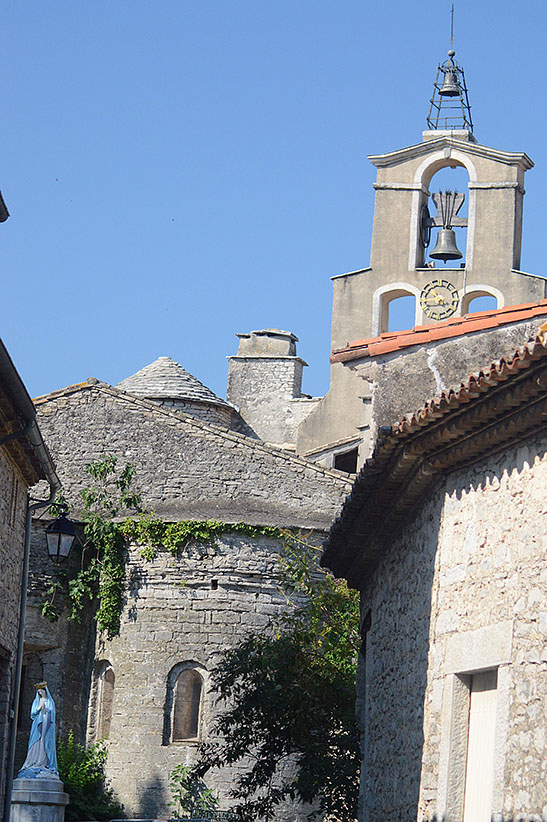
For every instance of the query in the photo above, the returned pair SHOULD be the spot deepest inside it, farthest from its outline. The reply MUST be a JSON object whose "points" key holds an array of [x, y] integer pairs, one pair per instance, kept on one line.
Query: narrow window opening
{"points": [[14, 493], [347, 461], [106, 699], [214, 584], [479, 772], [186, 705]]}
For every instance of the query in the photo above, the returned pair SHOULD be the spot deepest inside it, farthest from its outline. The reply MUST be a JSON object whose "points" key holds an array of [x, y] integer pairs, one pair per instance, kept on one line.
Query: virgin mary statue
{"points": [[41, 761]]}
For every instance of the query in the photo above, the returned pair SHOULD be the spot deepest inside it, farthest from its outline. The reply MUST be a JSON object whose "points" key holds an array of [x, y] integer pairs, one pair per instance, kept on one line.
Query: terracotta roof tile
{"points": [[492, 409], [454, 327]]}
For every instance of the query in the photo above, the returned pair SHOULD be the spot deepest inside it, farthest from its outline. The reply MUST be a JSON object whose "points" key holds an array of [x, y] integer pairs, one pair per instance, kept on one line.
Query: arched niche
{"points": [[381, 301], [183, 711], [476, 292]]}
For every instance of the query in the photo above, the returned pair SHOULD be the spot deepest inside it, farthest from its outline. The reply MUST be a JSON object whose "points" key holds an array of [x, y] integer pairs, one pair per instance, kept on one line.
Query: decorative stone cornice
{"points": [[402, 155]]}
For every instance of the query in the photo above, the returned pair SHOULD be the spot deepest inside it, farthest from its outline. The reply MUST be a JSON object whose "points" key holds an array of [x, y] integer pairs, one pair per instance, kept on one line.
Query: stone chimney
{"points": [[265, 382]]}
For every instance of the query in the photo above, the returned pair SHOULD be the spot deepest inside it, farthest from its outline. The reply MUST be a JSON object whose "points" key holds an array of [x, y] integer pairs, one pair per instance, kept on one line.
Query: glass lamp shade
{"points": [[60, 535]]}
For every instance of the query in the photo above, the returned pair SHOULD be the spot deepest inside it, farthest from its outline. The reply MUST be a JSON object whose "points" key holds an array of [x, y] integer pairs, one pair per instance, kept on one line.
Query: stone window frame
{"points": [[170, 699], [468, 653], [96, 716]]}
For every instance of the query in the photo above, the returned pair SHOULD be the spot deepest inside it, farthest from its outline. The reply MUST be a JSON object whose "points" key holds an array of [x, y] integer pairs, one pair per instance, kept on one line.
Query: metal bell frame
{"points": [[449, 106]]}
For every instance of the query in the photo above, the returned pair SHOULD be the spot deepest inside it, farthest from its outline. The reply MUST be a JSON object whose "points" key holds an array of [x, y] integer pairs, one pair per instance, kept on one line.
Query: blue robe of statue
{"points": [[41, 761]]}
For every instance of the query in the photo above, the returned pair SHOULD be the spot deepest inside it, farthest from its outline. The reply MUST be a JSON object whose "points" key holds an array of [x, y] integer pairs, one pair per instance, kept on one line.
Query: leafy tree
{"points": [[82, 772], [190, 799], [289, 697]]}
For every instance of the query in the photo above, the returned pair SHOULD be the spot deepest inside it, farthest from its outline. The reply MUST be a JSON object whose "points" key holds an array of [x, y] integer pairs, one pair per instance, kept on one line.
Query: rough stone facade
{"points": [[13, 496], [463, 588], [186, 468], [214, 414], [265, 383], [24, 461], [181, 613]]}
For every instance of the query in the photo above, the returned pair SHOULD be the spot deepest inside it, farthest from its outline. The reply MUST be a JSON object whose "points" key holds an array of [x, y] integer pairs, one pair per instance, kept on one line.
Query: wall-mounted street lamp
{"points": [[60, 535]]}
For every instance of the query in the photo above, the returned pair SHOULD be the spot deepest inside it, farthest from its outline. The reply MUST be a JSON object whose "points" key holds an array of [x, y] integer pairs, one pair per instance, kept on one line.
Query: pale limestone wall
{"points": [[462, 588], [180, 610], [13, 492], [267, 392]]}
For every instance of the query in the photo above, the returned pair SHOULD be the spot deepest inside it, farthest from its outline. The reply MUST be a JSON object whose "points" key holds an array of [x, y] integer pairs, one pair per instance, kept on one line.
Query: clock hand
{"points": [[435, 298]]}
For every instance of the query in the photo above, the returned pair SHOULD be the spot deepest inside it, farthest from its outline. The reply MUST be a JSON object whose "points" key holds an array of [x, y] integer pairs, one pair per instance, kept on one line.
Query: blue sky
{"points": [[181, 170]]}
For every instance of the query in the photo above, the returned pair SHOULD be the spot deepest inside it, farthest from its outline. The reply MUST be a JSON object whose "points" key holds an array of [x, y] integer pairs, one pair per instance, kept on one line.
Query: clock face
{"points": [[439, 299]]}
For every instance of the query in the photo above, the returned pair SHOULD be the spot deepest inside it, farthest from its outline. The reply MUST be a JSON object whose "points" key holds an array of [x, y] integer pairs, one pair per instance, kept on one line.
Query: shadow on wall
{"points": [[396, 599], [519, 460], [152, 798]]}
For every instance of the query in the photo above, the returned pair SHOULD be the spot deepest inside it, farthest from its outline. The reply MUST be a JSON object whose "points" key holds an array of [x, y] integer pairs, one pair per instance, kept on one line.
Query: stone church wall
{"points": [[179, 613], [463, 588], [215, 414], [183, 611]]}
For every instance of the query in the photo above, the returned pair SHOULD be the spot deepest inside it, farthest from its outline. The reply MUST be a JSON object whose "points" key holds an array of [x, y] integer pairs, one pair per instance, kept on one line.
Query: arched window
{"points": [[106, 698], [395, 307], [186, 705], [102, 699], [183, 705]]}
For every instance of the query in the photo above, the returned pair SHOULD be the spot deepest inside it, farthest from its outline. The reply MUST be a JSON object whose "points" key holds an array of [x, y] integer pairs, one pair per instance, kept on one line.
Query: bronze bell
{"points": [[446, 248], [451, 84]]}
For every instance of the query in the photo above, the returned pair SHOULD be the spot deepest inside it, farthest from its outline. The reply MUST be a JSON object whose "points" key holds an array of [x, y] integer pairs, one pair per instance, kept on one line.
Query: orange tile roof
{"points": [[493, 409], [455, 327]]}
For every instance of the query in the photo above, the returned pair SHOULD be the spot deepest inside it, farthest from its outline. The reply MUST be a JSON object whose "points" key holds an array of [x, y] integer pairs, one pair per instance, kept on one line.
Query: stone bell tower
{"points": [[408, 221], [414, 252]]}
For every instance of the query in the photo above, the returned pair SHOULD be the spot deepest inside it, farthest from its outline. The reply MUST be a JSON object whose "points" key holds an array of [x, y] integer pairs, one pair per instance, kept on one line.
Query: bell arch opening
{"points": [[449, 208], [447, 219], [401, 312]]}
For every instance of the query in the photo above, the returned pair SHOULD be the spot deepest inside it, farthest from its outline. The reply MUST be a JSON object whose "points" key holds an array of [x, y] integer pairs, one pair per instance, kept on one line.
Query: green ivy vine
{"points": [[155, 534], [101, 575]]}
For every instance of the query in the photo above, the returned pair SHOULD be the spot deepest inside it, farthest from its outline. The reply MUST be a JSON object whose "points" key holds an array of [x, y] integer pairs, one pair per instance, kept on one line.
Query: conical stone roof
{"points": [[165, 379]]}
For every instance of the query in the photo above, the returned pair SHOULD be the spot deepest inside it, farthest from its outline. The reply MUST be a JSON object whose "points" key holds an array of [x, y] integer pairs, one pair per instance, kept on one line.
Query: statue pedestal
{"points": [[38, 800]]}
